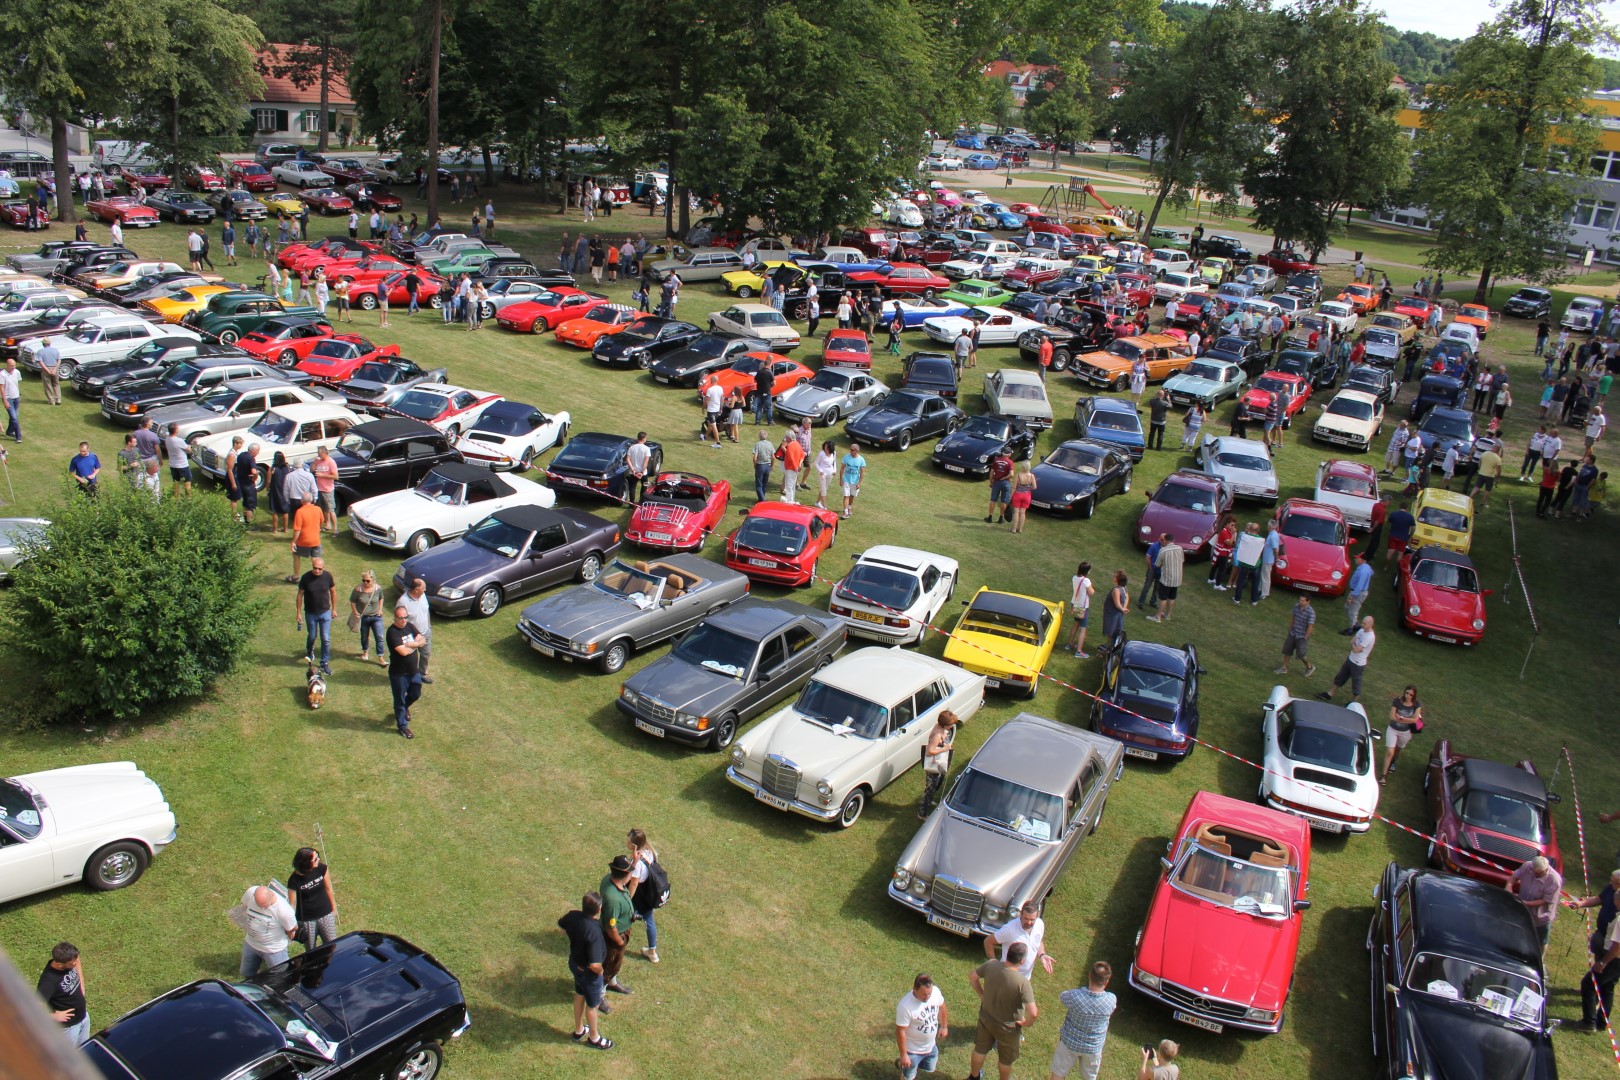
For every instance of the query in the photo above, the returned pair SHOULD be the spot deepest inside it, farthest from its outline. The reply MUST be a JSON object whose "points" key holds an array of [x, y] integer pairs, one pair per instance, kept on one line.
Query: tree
{"points": [[1506, 142], [1059, 109], [394, 77], [128, 603], [319, 35], [999, 103]]}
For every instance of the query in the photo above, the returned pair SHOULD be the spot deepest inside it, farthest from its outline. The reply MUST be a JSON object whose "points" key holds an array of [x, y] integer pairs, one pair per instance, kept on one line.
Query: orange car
{"points": [[1361, 297], [1476, 315], [598, 322], [1165, 354], [743, 374]]}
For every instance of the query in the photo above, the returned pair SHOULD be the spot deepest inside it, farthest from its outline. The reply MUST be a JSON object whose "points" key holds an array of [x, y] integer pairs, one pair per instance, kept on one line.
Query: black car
{"points": [[1436, 390], [1377, 381], [1457, 983], [151, 286], [238, 205], [1072, 333], [1226, 247], [1028, 304], [643, 341], [593, 463], [1529, 303], [968, 449], [1442, 428], [158, 355], [185, 380], [386, 455], [181, 207], [1068, 282], [708, 352], [367, 1005], [1078, 475], [795, 286], [1318, 370], [903, 417], [1306, 283], [1149, 699], [517, 268], [930, 373], [50, 256], [1246, 353]]}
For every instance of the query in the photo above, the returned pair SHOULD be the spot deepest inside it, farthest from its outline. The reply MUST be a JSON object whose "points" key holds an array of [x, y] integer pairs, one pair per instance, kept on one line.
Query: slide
{"points": [[1100, 200]]}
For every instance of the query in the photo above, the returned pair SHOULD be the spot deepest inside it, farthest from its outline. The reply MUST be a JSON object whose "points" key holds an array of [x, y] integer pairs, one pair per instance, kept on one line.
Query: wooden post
{"points": [[32, 1045]]}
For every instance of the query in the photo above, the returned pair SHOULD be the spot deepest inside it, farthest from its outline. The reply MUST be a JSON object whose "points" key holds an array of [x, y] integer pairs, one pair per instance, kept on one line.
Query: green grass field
{"points": [[781, 954]]}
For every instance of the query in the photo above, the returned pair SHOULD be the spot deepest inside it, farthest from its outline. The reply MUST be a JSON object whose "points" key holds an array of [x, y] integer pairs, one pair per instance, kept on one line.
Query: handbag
{"points": [[354, 621]]}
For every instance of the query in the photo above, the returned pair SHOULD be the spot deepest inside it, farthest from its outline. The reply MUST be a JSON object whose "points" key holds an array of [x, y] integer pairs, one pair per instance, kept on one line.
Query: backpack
{"points": [[653, 892]]}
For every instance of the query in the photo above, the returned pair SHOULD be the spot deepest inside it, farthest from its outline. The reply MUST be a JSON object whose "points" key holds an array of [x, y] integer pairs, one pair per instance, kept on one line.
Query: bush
{"points": [[127, 603]]}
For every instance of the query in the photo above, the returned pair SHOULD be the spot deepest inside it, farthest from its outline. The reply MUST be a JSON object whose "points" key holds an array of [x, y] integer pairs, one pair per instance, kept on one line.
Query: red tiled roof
{"points": [[1000, 69], [279, 90]]}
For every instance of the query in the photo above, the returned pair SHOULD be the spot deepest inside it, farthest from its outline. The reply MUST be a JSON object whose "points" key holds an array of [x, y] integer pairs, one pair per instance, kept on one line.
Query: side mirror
{"points": [[1302, 905], [1205, 671], [1488, 592], [1166, 863]]}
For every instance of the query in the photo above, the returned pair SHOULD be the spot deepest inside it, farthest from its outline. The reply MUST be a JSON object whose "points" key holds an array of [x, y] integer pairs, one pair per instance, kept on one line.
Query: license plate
{"points": [[992, 683], [867, 616], [543, 650], [665, 537], [1198, 1021], [1145, 755], [649, 728], [955, 927], [1325, 824], [1303, 587], [575, 481], [1442, 637], [661, 378], [771, 800], [955, 468], [766, 563], [1040, 505]]}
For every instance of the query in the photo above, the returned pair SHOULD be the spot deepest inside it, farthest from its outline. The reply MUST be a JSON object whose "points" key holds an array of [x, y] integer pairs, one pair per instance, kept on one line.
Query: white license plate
{"points": [[543, 650], [992, 683], [1442, 637], [1304, 587], [661, 378], [1197, 1021], [952, 925], [573, 480], [665, 537], [766, 563], [771, 800], [649, 728], [1325, 824], [955, 468], [1040, 505], [1145, 755]]}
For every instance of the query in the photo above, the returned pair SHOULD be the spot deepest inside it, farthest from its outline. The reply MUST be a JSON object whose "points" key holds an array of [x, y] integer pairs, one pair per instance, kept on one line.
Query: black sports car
{"points": [[1457, 984], [1072, 334], [969, 448], [593, 463], [181, 207], [930, 373], [1246, 353], [367, 1005], [643, 341], [1529, 303], [1078, 475], [1149, 699], [903, 417], [709, 351], [1377, 381]]}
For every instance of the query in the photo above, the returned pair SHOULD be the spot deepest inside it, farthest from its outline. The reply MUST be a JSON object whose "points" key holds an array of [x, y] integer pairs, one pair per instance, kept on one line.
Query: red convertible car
{"points": [[16, 213], [1295, 390], [1490, 818], [1285, 260], [1222, 932], [366, 269], [547, 310], [129, 212], [744, 374], [335, 358], [781, 542], [1440, 596], [678, 512], [146, 178], [250, 176], [326, 200], [847, 348], [900, 279], [285, 341], [1313, 557]]}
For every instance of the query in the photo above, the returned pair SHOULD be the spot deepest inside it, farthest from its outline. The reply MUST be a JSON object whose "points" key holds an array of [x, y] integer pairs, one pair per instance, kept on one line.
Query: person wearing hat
{"points": [[1538, 887], [618, 909]]}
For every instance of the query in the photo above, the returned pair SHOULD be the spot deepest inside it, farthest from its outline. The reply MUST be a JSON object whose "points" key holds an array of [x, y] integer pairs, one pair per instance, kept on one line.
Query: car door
{"points": [[936, 414], [910, 729], [771, 676], [547, 561], [29, 866]]}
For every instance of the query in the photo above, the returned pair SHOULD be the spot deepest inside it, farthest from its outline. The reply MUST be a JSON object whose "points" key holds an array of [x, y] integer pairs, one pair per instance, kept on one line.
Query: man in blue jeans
{"points": [[312, 605], [764, 458], [404, 667]]}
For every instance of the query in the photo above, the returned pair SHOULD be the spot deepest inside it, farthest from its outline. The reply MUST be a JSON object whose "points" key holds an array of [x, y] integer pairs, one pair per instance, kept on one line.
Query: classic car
{"points": [[15, 534], [1319, 762], [1285, 260], [1264, 279], [584, 328], [703, 264], [281, 203], [781, 542], [385, 455], [1340, 315], [250, 176], [373, 197], [100, 278], [1582, 315], [1405, 327], [594, 463], [1222, 931], [328, 249], [1164, 354], [235, 405], [89, 344], [17, 213], [1008, 826], [237, 204], [1529, 303], [1227, 247], [1363, 299], [1167, 260], [364, 1007], [326, 200], [1440, 596], [1006, 637], [1187, 505], [286, 341], [969, 448], [1349, 486], [847, 348], [301, 174], [642, 341], [1459, 331], [901, 279], [376, 384], [1295, 391], [174, 306], [629, 608], [151, 287], [335, 357], [1307, 286], [363, 292], [181, 207], [894, 594], [128, 211], [1111, 422], [858, 725], [930, 373], [144, 174], [1027, 273], [916, 310], [902, 417], [1458, 987], [991, 325], [451, 409], [1079, 474], [678, 511], [1416, 308], [1445, 519], [1243, 465], [447, 502], [1206, 381], [510, 553], [743, 374], [1320, 370], [830, 395], [758, 321], [973, 293], [1370, 379], [1489, 818], [297, 431], [1148, 699], [151, 360], [1178, 285], [1019, 396], [53, 321], [1383, 346], [55, 255], [1352, 418], [101, 824], [689, 365], [1216, 271], [228, 315], [1445, 426], [509, 435]]}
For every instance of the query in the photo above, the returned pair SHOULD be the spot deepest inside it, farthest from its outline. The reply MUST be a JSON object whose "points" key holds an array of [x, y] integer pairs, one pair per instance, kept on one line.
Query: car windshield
{"points": [[503, 538], [1445, 575], [828, 379], [1076, 460], [1326, 749], [904, 404], [356, 446], [220, 401], [642, 330], [1455, 427], [842, 711], [1437, 518], [1275, 386], [882, 586], [1509, 995], [1378, 335], [1351, 485], [985, 427], [18, 811], [1315, 529], [773, 535], [294, 1025], [1022, 391], [1185, 497], [1011, 805], [1212, 372], [442, 489], [273, 427], [1114, 421], [1353, 408], [1243, 886], [1236, 459], [1503, 814], [378, 372], [850, 344], [1125, 350], [1144, 684], [587, 455], [626, 582], [715, 649]]}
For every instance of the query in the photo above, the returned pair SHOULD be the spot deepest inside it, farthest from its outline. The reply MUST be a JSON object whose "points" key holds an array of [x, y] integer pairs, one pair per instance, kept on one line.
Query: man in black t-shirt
{"points": [[61, 984], [404, 668], [312, 605], [587, 949]]}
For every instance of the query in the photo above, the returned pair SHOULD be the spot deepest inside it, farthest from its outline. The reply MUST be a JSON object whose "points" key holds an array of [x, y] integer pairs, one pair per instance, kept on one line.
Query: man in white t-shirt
{"points": [[714, 398], [1355, 665], [1028, 928], [920, 1021], [269, 919], [637, 460], [1595, 423]]}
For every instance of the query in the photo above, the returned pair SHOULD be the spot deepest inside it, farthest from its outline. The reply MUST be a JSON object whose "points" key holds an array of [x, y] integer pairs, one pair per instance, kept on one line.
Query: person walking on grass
{"points": [[312, 605], [1168, 568], [618, 911], [1116, 605], [1360, 585], [937, 759], [1405, 720], [365, 613], [61, 986], [1087, 1011], [1354, 668], [314, 904], [826, 467], [854, 475], [1006, 1008], [1081, 590], [587, 950], [921, 1021], [643, 889], [407, 646], [1296, 643]]}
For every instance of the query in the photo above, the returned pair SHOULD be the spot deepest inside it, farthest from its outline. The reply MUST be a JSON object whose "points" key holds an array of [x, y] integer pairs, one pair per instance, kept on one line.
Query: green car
{"points": [[230, 315], [1206, 382], [1160, 236], [465, 261], [976, 292]]}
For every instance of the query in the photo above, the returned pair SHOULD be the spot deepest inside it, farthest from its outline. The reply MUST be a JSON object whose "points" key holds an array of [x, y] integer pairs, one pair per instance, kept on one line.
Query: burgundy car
{"points": [[146, 178], [901, 279], [1285, 260], [1187, 505], [326, 200], [373, 197], [1490, 818], [250, 176]]}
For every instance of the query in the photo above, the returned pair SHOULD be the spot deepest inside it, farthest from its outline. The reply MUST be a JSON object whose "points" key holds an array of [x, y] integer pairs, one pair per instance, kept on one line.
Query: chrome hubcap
{"points": [[118, 868]]}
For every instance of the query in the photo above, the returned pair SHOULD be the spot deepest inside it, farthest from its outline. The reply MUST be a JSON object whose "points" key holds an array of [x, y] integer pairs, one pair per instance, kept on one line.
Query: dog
{"points": [[317, 688]]}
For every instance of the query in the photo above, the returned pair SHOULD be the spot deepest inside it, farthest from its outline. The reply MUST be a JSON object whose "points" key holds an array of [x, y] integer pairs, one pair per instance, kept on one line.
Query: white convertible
{"points": [[891, 593], [97, 823], [997, 326], [449, 500], [510, 435], [858, 725], [1319, 762]]}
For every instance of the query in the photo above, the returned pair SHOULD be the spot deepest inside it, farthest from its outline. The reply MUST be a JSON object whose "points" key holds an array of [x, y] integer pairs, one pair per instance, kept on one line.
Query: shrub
{"points": [[126, 603]]}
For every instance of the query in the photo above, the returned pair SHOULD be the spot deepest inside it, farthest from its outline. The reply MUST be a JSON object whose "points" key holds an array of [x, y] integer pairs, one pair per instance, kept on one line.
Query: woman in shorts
{"points": [[1405, 720], [826, 469], [734, 415], [1023, 494]]}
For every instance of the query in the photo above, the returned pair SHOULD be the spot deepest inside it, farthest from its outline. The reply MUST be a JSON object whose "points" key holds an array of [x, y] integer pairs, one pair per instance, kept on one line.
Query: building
{"points": [[290, 113], [1021, 77]]}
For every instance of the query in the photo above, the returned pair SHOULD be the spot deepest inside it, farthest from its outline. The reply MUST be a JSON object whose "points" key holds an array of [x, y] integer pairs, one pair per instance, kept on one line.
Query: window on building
{"points": [[1606, 165], [269, 121], [309, 121], [1592, 213]]}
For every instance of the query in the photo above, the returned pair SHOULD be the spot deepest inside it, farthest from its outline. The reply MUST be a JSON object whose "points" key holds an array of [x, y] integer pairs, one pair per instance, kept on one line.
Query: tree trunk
{"points": [[1482, 286], [489, 169], [1172, 159], [435, 38], [174, 135], [64, 170], [323, 140], [669, 195]]}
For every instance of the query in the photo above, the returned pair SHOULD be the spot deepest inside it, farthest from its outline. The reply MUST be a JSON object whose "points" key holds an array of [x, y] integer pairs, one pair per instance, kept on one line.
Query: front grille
{"points": [[780, 777], [1517, 850], [1196, 1003], [366, 528], [656, 710], [545, 637], [209, 459], [955, 899]]}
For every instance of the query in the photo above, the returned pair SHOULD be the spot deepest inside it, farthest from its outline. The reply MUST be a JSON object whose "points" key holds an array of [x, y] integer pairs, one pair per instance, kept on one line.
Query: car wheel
{"points": [[526, 460], [724, 732], [488, 601], [367, 302], [228, 337], [850, 812], [928, 294], [801, 310], [435, 302], [421, 1063], [453, 432], [800, 382], [613, 660], [831, 416], [68, 368], [1122, 384], [420, 542], [744, 292], [1125, 488], [486, 311], [1060, 360], [590, 567], [904, 441], [1087, 508], [115, 866], [261, 477]]}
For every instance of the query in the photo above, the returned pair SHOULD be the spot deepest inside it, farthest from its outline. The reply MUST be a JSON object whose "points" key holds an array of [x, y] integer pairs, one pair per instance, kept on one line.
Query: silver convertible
{"points": [[630, 606]]}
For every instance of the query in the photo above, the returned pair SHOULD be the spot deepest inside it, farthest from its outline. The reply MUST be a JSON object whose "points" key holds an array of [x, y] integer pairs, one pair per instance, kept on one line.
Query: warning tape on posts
{"points": [[1518, 567], [1586, 881]]}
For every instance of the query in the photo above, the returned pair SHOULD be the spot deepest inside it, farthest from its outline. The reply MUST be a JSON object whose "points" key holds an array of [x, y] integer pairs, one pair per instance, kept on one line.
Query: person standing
{"points": [[637, 460], [413, 286], [312, 606], [1006, 1007], [1149, 596], [1221, 546], [1158, 413], [1116, 605], [920, 1022], [764, 383], [11, 391], [325, 471], [1547, 486], [179, 460], [1268, 558], [1081, 591], [618, 910], [49, 360], [129, 462], [1360, 585], [1354, 668], [854, 474], [1247, 556], [1000, 472], [642, 897], [1087, 1011], [714, 397], [1539, 887], [1486, 473], [1301, 623], [365, 612], [61, 985], [268, 922], [1168, 567], [1139, 378], [1532, 453], [405, 663], [1401, 523], [587, 949], [1396, 449], [960, 350], [306, 525], [415, 602], [937, 759], [246, 470], [1597, 985], [85, 468], [1023, 494], [314, 904], [826, 467], [1159, 1063], [791, 454], [340, 292], [764, 454], [1030, 929]]}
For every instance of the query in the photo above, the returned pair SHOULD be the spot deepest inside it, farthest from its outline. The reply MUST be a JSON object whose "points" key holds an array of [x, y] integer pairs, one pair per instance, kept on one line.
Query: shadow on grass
{"points": [[1333, 1025], [503, 1029]]}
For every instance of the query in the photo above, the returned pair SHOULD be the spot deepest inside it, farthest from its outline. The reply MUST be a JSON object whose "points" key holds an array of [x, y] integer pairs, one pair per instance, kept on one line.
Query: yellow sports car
{"points": [[281, 202], [1007, 638], [746, 283], [1215, 270], [176, 307]]}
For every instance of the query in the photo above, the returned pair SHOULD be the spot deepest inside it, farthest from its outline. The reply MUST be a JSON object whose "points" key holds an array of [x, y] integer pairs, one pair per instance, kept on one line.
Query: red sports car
{"points": [[1295, 391], [146, 178], [1048, 225], [1313, 557], [363, 293], [1440, 596], [1489, 818], [203, 178], [1415, 308], [547, 310], [678, 512], [250, 176], [16, 213], [129, 212], [367, 269], [1285, 261], [330, 249], [847, 348], [326, 200], [285, 341], [781, 542], [901, 279], [743, 374], [1222, 932], [586, 328], [373, 197], [335, 358]]}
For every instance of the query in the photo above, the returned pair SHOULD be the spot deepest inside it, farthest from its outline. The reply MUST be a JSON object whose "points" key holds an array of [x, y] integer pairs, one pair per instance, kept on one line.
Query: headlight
{"points": [[1414, 611], [1144, 530], [1260, 1016], [686, 719], [630, 696], [450, 594], [1068, 496], [920, 886], [1282, 564], [824, 790], [586, 647], [1479, 624], [93, 382], [393, 536], [983, 458], [902, 879], [1195, 540], [1151, 982], [737, 755], [995, 915], [1336, 575]]}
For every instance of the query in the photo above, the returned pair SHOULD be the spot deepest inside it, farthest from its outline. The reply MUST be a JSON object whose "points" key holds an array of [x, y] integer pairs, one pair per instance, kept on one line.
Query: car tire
{"points": [[453, 432], [1125, 488], [487, 602], [831, 416], [419, 1063], [229, 336], [115, 866], [367, 302], [1087, 508], [486, 311], [261, 478], [854, 803], [1122, 384], [435, 302], [68, 367], [725, 733], [590, 567], [420, 541], [615, 657], [801, 309], [928, 294], [903, 443], [744, 292], [527, 460], [1060, 360]]}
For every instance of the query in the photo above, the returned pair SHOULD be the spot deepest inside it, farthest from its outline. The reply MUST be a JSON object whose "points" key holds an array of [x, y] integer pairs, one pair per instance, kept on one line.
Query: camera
{"points": [[1147, 1048]]}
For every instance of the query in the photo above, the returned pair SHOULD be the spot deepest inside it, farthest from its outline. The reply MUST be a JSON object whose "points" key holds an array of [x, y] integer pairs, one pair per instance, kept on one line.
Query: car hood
{"points": [[808, 398], [1051, 482], [1180, 524], [1457, 1043], [1336, 422], [1216, 951], [581, 612], [680, 685], [184, 413], [369, 388], [992, 860], [452, 564], [1191, 384], [1307, 558], [1449, 607], [404, 507], [91, 795], [814, 749], [879, 421], [959, 444]]}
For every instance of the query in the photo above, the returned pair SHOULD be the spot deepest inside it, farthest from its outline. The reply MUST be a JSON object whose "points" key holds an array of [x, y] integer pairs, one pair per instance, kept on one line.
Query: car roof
{"points": [[1232, 442], [1039, 753], [511, 408], [1005, 603], [1341, 467], [1325, 716], [530, 517], [1193, 477], [899, 557], [754, 618], [1114, 405], [390, 428], [1472, 920], [1440, 554], [1152, 656], [1451, 500], [1493, 776], [309, 410], [1357, 395], [1018, 375], [195, 1017], [261, 382], [879, 674], [600, 437]]}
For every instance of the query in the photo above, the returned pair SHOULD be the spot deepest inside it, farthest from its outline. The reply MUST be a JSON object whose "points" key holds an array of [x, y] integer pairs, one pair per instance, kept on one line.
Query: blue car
{"points": [[970, 142], [914, 309], [1003, 217], [1111, 421], [1149, 699], [979, 161]]}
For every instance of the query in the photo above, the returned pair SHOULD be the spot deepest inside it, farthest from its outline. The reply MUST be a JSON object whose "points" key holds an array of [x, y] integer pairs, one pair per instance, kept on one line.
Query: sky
{"points": [[1450, 18]]}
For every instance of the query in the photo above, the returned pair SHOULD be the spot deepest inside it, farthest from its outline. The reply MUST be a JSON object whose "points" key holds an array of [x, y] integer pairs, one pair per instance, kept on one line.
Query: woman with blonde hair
{"points": [[643, 856], [1023, 494]]}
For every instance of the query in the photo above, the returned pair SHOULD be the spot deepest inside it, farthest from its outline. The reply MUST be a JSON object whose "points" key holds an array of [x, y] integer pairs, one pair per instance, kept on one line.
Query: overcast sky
{"points": [[1450, 18]]}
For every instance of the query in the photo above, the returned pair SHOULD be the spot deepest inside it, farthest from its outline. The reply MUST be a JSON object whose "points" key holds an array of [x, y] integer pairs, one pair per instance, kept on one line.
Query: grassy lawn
{"points": [[781, 953]]}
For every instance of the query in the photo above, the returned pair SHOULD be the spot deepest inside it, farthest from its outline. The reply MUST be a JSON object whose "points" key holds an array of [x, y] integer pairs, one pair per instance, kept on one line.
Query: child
{"points": [[896, 325]]}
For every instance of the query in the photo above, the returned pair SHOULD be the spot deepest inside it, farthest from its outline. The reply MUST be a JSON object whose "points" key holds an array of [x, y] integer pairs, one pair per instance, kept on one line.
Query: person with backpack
{"points": [[650, 890]]}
